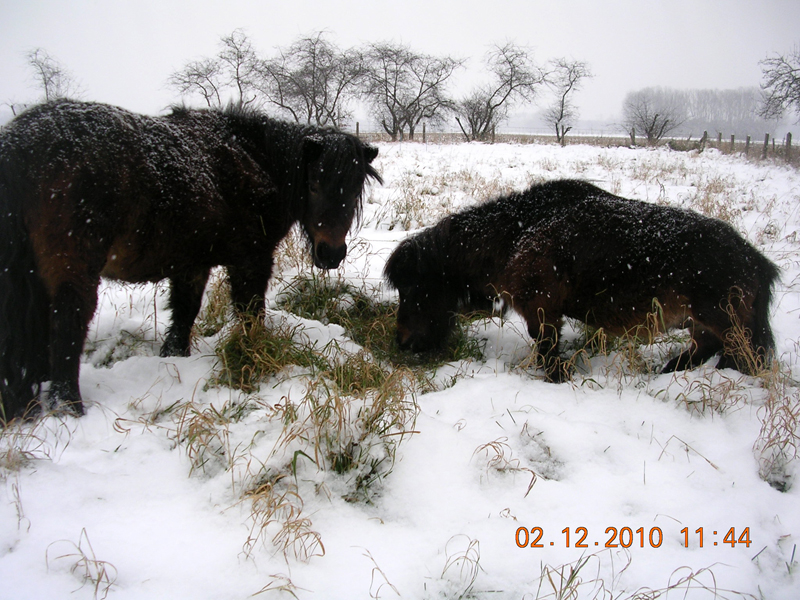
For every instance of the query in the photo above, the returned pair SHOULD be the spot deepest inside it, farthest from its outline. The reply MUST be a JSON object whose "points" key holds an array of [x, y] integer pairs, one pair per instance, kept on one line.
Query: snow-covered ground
{"points": [[136, 501]]}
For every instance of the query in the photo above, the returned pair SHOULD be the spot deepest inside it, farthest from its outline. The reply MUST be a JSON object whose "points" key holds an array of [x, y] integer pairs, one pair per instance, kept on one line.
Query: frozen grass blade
{"points": [[85, 565]]}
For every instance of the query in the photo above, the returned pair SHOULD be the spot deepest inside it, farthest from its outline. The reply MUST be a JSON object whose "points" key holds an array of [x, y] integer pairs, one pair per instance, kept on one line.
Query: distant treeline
{"points": [[691, 112]]}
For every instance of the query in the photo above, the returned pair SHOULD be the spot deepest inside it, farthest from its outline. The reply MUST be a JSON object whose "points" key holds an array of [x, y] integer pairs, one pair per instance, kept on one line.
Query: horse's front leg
{"points": [[248, 286], [185, 298], [72, 308]]}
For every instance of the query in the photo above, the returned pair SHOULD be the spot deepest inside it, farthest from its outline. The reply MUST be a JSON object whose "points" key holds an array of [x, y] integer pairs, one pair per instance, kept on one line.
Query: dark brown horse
{"points": [[568, 248], [89, 190]]}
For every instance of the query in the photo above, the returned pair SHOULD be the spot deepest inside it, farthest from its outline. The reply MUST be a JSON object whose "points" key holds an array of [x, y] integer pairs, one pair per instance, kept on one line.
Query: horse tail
{"points": [[762, 340], [24, 304]]}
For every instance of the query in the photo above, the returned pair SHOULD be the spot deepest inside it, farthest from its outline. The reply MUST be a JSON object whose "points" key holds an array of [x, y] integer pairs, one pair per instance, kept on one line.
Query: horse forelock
{"points": [[419, 259], [344, 166]]}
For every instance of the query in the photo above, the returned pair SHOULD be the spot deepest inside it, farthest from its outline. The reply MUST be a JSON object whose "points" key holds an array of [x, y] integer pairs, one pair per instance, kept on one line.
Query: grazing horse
{"points": [[568, 248], [89, 191]]}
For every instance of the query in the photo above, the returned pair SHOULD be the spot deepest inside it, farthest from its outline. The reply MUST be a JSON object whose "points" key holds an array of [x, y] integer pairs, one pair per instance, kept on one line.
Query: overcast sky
{"points": [[123, 51]]}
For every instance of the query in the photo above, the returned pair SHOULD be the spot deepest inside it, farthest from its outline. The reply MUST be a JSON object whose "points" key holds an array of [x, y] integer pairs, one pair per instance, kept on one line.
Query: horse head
{"points": [[427, 304], [337, 168]]}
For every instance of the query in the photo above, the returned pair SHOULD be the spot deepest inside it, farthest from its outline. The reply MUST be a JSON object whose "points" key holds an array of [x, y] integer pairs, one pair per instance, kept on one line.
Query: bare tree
{"points": [[406, 87], [388, 66], [565, 78], [50, 75], [515, 78], [781, 85], [428, 99], [234, 70], [653, 112], [240, 64], [202, 76], [312, 80]]}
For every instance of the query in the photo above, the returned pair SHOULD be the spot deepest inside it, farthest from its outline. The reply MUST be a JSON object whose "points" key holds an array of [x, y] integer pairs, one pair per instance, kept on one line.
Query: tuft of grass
{"points": [[711, 392], [355, 408], [353, 411], [408, 210], [371, 323], [778, 441], [216, 311], [716, 197], [277, 507], [462, 566], [250, 353], [85, 565], [126, 344], [378, 579], [206, 436], [279, 583], [293, 253], [499, 458], [19, 446], [350, 423], [581, 578]]}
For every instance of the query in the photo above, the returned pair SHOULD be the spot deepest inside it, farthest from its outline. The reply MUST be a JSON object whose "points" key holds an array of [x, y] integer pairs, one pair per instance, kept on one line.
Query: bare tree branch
{"points": [[781, 85], [202, 76], [234, 70], [312, 80], [51, 76], [240, 64]]}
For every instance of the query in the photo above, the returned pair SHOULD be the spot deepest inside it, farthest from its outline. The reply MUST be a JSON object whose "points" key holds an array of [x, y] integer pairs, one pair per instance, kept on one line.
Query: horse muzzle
{"points": [[413, 341], [328, 257]]}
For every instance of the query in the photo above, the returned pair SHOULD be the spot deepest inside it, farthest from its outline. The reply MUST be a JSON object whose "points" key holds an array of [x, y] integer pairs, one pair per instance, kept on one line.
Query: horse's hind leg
{"points": [[72, 308], [705, 344], [711, 325], [185, 298]]}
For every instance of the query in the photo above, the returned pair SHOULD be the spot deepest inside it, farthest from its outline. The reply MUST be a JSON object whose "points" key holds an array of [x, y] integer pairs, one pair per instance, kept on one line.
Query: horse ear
{"points": [[370, 152], [313, 145]]}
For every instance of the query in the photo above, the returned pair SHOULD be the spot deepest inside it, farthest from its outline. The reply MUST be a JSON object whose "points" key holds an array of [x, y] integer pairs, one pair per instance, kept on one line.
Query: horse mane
{"points": [[282, 145]]}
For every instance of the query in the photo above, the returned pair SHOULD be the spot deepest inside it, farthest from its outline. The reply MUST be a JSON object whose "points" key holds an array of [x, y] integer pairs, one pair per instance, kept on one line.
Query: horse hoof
{"points": [[64, 398], [171, 348]]}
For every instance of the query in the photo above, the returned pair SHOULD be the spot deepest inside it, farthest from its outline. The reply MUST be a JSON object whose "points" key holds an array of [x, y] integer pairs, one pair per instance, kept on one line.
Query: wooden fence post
{"points": [[789, 147], [356, 128], [747, 146], [766, 145], [733, 143], [633, 136], [423, 133], [719, 141], [493, 134]]}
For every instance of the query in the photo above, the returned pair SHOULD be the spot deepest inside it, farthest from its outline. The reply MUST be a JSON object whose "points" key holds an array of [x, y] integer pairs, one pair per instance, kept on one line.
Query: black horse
{"points": [[90, 190], [570, 248]]}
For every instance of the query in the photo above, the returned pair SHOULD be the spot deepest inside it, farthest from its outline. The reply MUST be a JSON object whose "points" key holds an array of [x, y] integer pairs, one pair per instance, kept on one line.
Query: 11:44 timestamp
{"points": [[730, 537]]}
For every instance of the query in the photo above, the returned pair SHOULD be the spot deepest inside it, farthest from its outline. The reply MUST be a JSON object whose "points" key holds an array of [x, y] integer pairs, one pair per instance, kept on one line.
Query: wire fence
{"points": [[769, 147]]}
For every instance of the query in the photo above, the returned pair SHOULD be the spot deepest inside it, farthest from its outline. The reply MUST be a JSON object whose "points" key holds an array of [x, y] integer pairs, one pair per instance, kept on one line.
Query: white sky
{"points": [[123, 51]]}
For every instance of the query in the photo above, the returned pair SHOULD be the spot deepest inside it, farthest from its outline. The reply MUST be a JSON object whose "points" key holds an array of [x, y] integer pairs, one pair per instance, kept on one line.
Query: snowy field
{"points": [[173, 487]]}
